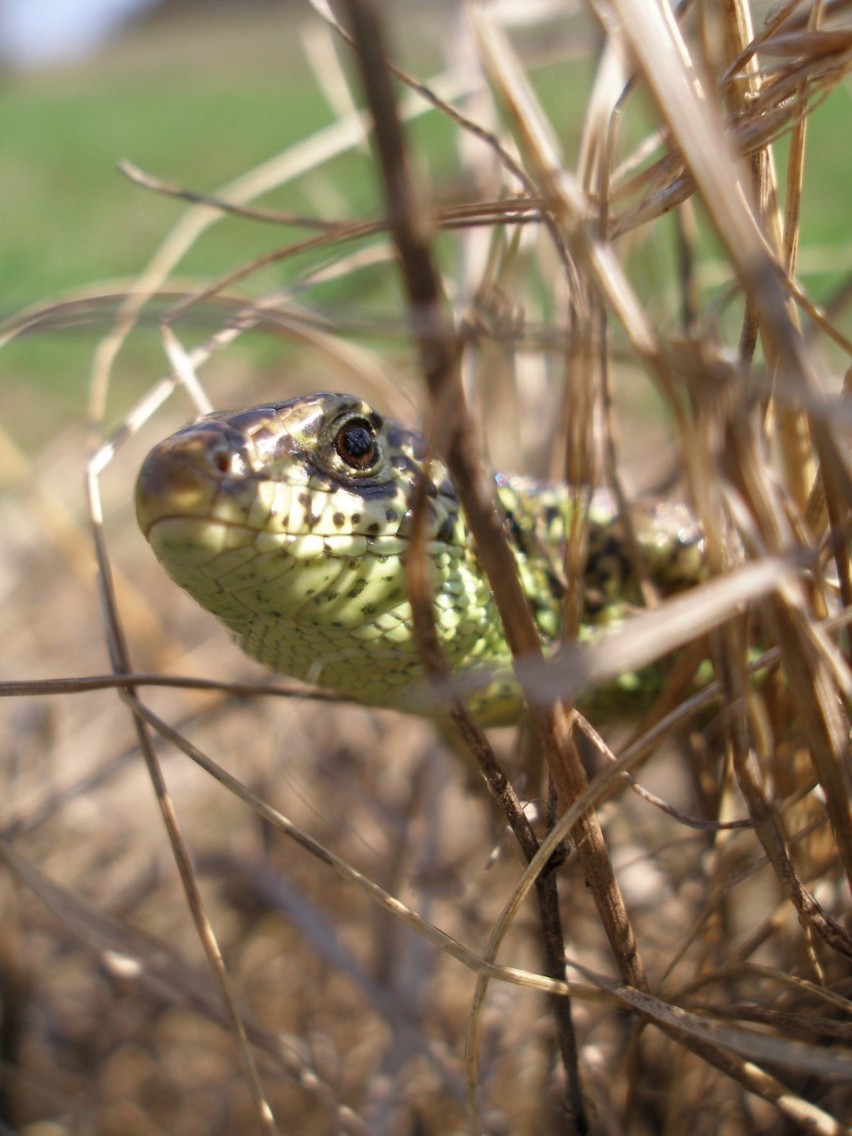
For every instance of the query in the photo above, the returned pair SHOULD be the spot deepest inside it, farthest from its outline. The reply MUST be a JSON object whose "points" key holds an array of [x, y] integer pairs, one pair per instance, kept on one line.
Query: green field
{"points": [[72, 222], [198, 106]]}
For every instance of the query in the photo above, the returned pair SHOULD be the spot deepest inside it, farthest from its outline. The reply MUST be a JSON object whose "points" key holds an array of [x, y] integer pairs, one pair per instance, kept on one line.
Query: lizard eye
{"points": [[355, 442]]}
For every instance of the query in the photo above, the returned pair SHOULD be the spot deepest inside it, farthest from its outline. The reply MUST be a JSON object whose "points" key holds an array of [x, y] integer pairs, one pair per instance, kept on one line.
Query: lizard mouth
{"points": [[184, 479]]}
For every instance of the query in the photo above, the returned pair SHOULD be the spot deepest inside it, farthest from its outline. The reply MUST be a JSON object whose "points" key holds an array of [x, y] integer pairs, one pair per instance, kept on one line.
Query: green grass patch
{"points": [[200, 118]]}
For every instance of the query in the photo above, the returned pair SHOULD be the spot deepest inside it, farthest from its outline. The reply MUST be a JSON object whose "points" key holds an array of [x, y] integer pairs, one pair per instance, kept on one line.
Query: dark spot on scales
{"points": [[282, 444], [339, 520], [416, 443], [373, 529], [391, 515], [369, 492], [445, 532]]}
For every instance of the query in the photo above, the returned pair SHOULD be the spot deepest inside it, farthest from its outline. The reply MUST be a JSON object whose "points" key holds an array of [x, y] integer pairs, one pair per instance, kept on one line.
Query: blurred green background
{"points": [[197, 98]]}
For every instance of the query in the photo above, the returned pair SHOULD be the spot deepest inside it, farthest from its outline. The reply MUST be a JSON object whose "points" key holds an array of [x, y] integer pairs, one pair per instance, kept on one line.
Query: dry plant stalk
{"points": [[696, 938]]}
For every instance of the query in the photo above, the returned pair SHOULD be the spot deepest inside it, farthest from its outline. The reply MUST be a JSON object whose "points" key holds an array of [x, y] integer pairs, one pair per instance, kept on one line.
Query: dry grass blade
{"points": [[578, 669], [397, 909], [137, 957], [439, 357]]}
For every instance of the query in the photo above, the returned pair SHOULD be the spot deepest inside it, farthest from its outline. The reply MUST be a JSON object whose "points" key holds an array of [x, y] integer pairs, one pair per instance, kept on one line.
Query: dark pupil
{"points": [[356, 444]]}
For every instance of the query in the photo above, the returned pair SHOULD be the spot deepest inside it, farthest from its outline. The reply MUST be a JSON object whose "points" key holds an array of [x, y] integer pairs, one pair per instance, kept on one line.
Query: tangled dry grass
{"points": [[318, 922]]}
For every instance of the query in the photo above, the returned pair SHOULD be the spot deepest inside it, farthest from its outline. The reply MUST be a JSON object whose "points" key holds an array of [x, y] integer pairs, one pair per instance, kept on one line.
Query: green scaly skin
{"points": [[290, 523]]}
